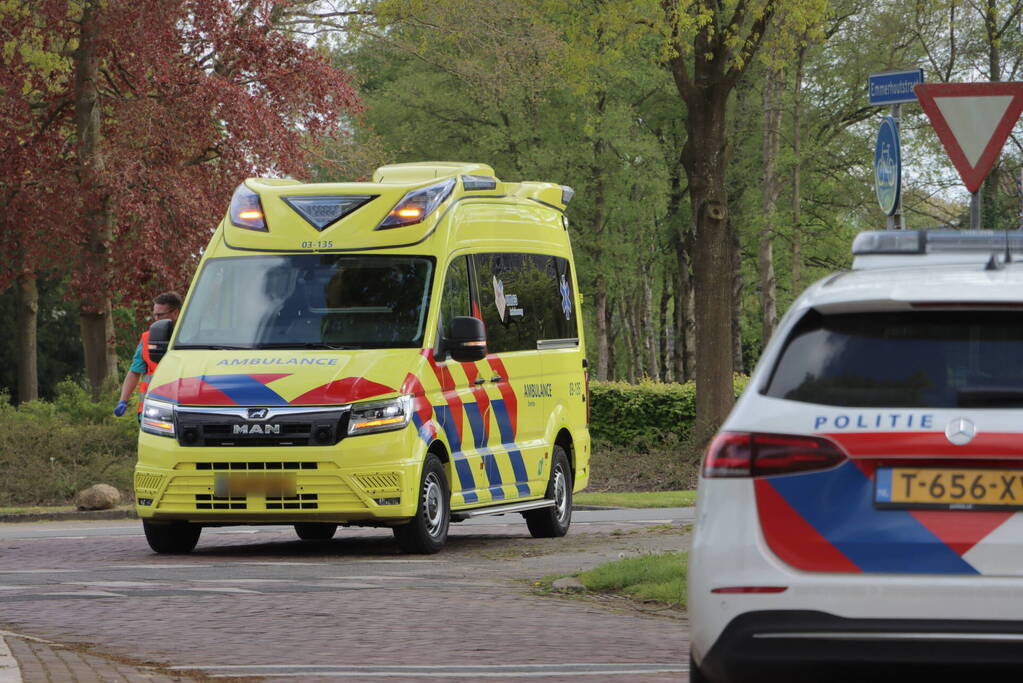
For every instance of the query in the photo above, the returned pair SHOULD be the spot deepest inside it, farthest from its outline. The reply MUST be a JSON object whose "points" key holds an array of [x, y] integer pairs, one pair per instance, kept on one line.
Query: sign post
{"points": [[891, 88], [973, 121]]}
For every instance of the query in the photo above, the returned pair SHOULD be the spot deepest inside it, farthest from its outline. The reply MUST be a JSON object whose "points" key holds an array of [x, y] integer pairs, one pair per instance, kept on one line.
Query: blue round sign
{"points": [[888, 166]]}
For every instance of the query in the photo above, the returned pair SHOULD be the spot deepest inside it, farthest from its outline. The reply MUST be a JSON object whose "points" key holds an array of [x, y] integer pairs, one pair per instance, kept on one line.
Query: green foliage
{"points": [[644, 414], [50, 451], [641, 499], [658, 577]]}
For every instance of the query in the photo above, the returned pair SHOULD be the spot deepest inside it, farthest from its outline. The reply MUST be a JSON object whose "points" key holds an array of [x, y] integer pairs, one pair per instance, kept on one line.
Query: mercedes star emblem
{"points": [[960, 431]]}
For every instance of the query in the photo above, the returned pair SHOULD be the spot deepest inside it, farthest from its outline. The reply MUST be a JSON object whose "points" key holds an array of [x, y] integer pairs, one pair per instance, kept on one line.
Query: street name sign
{"points": [[893, 87], [888, 166], [973, 121]]}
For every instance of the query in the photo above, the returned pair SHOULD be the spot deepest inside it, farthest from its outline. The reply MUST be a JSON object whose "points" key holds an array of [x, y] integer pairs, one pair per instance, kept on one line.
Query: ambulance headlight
{"points": [[415, 206], [158, 417], [380, 416]]}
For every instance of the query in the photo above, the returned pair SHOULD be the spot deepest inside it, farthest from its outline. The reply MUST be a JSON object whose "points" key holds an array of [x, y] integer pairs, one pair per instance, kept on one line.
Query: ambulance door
{"points": [[512, 372], [561, 351], [457, 393]]}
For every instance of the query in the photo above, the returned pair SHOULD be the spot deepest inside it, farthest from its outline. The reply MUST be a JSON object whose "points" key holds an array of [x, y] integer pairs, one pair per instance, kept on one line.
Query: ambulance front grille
{"points": [[229, 428]]}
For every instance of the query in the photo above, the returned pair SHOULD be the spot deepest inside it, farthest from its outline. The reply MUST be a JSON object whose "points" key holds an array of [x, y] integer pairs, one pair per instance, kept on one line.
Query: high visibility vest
{"points": [[150, 369]]}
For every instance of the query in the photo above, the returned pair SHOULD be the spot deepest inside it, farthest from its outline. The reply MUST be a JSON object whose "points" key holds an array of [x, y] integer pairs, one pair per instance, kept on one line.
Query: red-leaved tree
{"points": [[148, 113]]}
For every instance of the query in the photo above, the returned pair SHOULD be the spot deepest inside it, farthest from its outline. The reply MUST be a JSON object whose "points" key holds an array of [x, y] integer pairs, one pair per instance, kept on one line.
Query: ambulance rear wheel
{"points": [[554, 521], [428, 531], [315, 531], [175, 538]]}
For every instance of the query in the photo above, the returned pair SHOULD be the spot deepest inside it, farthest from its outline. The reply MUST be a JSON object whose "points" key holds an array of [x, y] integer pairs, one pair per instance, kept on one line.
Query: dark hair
{"points": [[172, 299]]}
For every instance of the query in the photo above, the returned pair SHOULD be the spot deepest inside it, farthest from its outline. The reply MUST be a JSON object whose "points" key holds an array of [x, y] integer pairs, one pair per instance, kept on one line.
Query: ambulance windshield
{"points": [[306, 301]]}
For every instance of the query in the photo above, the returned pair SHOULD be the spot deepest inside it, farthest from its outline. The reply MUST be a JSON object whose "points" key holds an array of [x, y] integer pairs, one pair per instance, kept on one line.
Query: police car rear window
{"points": [[939, 359]]}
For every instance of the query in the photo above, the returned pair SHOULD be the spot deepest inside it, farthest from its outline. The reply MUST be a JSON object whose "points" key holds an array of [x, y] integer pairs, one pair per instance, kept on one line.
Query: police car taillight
{"points": [[741, 454]]}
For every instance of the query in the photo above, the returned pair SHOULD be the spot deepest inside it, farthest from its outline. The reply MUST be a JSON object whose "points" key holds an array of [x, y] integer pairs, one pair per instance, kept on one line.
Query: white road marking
{"points": [[448, 671], [225, 589], [10, 672], [233, 531], [87, 594], [116, 584], [340, 585], [244, 580], [399, 561], [375, 577], [11, 634], [161, 566], [41, 571]]}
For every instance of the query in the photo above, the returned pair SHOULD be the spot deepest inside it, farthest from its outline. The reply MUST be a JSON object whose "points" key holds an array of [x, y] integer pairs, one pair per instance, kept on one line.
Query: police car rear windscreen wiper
{"points": [[990, 397]]}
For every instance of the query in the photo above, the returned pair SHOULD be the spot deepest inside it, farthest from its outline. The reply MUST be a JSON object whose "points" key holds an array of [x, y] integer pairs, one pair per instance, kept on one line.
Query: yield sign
{"points": [[972, 120]]}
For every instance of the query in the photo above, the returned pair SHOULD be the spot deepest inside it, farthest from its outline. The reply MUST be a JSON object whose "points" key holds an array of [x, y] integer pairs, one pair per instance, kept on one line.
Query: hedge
{"points": [[50, 451], [625, 413]]}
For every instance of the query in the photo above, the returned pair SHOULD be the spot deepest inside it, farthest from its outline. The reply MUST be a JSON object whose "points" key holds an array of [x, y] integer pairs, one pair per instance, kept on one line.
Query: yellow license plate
{"points": [[241, 484], [963, 489]]}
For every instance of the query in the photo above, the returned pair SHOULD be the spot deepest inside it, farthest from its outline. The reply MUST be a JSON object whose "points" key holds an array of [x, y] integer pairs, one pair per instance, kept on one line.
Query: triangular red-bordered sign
{"points": [[973, 121]]}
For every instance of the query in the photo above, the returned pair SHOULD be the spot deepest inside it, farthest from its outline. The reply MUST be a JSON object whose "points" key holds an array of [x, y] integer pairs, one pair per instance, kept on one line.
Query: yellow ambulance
{"points": [[406, 352]]}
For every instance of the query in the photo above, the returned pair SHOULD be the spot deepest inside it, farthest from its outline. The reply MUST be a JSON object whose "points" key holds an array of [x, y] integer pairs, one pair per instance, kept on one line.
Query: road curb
{"points": [[68, 516]]}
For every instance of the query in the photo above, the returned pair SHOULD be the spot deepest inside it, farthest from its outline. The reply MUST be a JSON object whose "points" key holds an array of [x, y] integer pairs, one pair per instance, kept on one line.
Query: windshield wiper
{"points": [[213, 347], [305, 345]]}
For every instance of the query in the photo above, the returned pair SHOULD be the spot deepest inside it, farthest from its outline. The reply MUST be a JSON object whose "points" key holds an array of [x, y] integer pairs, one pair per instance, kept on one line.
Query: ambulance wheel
{"points": [[427, 532], [175, 538], [315, 531], [695, 675], [554, 521]]}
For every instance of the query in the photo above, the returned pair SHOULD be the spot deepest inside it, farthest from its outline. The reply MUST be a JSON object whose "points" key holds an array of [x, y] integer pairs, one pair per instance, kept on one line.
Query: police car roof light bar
{"points": [[906, 242]]}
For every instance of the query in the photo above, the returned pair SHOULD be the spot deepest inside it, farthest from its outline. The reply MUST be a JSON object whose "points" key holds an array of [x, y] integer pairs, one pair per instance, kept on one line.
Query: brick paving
{"points": [[264, 599], [45, 662]]}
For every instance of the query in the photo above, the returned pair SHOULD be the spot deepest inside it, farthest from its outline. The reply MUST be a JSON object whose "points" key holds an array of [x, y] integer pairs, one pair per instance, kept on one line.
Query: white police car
{"points": [[862, 505]]}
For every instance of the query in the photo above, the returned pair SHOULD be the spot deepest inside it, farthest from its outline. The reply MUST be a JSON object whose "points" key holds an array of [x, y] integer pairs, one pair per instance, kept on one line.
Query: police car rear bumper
{"points": [[815, 646]]}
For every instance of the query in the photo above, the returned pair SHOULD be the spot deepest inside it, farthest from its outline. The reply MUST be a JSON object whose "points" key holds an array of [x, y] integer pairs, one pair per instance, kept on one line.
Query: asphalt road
{"points": [[257, 602]]}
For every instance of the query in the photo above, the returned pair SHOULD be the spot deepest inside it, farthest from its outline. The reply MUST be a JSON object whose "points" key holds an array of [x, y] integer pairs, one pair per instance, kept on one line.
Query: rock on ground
{"points": [[98, 497]]}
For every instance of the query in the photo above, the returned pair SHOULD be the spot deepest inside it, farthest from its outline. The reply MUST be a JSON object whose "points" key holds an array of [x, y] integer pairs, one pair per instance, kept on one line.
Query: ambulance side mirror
{"points": [[467, 339], [159, 338]]}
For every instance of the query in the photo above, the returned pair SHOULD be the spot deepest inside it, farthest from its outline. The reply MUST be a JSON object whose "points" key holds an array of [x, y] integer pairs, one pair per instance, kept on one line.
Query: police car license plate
{"points": [[241, 484], [950, 489]]}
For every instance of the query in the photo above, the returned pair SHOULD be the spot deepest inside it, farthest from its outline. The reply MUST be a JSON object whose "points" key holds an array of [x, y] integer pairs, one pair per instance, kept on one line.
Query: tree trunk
{"points": [[770, 189], [612, 340], [648, 333], [96, 321], [603, 355], [797, 177], [27, 295], [688, 371], [737, 286], [630, 341], [705, 160], [667, 338]]}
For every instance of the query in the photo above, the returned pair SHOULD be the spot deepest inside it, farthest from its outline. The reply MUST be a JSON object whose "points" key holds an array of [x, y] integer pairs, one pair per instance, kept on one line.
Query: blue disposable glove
{"points": [[121, 407]]}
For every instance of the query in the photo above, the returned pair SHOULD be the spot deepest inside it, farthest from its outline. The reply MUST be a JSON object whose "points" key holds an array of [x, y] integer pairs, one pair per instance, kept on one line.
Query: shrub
{"points": [[635, 414], [50, 451]]}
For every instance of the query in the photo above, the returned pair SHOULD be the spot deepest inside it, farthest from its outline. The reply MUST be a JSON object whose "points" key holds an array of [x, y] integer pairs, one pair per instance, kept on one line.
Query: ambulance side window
{"points": [[455, 299], [554, 300]]}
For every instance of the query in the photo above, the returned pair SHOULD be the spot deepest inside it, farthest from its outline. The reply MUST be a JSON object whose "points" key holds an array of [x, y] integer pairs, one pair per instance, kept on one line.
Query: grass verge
{"points": [[648, 578], [646, 499]]}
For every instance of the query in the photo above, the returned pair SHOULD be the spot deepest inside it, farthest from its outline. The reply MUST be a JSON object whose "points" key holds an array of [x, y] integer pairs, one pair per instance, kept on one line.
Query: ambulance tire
{"points": [[427, 532], [695, 675], [315, 531], [554, 521], [176, 538]]}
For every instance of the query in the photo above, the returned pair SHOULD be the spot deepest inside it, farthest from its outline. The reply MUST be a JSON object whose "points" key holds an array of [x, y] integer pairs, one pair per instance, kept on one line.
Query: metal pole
{"points": [[975, 211], [897, 218]]}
